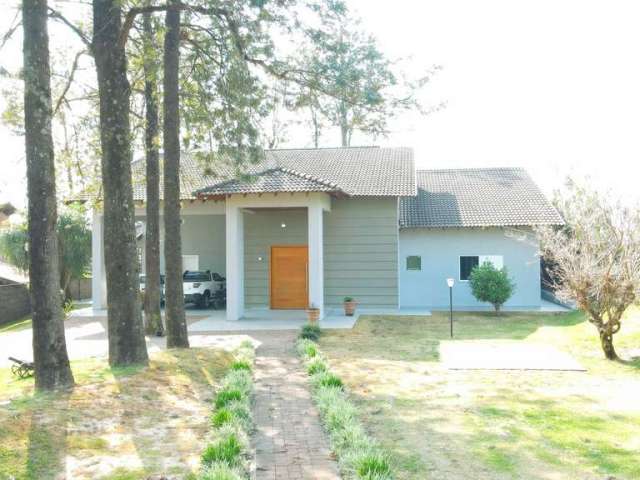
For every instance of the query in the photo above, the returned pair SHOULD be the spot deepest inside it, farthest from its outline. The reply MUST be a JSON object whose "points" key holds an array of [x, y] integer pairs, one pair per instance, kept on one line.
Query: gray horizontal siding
{"points": [[263, 229], [361, 251]]}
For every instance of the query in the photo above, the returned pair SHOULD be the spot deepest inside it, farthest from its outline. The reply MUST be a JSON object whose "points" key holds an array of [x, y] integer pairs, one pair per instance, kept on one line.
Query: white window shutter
{"points": [[496, 260]]}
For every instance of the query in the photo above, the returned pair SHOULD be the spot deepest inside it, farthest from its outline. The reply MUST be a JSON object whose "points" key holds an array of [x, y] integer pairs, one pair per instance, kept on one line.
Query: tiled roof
{"points": [[354, 171], [273, 180], [480, 197]]}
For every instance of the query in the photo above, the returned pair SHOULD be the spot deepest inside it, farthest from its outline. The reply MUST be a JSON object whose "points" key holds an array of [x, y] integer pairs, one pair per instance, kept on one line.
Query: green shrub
{"points": [[226, 396], [225, 450], [220, 471], [315, 366], [372, 466], [310, 332], [306, 348], [241, 365], [489, 284]]}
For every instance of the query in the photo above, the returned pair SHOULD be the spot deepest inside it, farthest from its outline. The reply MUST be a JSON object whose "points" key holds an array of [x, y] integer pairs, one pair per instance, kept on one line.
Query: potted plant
{"points": [[313, 314], [349, 304]]}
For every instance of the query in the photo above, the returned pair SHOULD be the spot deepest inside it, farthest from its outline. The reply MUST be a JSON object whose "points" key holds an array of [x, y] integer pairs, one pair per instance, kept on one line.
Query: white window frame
{"points": [[496, 260], [188, 259]]}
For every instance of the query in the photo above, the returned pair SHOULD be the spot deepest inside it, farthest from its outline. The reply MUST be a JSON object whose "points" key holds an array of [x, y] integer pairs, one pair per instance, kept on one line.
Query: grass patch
{"points": [[437, 423], [111, 415]]}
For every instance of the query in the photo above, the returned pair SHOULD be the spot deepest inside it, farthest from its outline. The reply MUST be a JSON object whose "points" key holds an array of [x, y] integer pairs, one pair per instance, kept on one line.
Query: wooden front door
{"points": [[289, 277]]}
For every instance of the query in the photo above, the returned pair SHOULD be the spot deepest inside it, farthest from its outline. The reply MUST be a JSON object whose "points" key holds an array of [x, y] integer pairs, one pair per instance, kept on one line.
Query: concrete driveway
{"points": [[86, 337]]}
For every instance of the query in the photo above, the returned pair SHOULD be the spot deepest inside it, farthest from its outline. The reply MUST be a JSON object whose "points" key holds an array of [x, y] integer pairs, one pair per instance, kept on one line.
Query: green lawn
{"points": [[444, 424], [117, 424]]}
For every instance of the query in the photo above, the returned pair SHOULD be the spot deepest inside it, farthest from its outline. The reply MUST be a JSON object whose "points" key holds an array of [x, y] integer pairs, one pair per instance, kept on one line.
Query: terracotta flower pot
{"points": [[350, 308], [313, 315]]}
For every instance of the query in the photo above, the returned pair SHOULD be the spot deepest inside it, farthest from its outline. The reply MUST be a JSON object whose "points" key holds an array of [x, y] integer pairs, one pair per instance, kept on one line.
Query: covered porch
{"points": [[235, 235]]}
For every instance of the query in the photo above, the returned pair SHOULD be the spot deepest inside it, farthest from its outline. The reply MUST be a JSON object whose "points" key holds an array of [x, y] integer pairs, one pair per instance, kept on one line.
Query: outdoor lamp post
{"points": [[450, 283]]}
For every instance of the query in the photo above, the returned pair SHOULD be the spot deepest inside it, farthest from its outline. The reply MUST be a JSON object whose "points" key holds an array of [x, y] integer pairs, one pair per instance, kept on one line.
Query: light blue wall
{"points": [[361, 251], [202, 235], [440, 250]]}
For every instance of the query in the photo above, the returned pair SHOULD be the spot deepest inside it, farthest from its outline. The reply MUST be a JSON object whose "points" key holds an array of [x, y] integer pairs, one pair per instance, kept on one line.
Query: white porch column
{"points": [[98, 273], [235, 260], [316, 267]]}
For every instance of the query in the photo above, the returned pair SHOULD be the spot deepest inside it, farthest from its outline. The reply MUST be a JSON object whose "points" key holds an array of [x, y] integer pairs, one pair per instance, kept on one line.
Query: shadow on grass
{"points": [[156, 408], [47, 439]]}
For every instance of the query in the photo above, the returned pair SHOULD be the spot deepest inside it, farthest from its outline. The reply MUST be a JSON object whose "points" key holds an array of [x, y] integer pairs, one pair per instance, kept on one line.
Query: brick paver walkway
{"points": [[289, 441]]}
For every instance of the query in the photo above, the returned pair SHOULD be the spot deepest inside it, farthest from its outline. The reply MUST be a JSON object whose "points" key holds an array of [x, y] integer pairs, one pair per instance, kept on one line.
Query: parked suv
{"points": [[201, 287]]}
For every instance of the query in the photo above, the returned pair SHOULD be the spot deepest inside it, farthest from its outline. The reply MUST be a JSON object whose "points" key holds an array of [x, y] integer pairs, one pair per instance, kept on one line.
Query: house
{"points": [[311, 226]]}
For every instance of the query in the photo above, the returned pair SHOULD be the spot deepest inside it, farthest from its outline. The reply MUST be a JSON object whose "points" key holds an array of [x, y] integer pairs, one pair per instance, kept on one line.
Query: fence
{"points": [[14, 302]]}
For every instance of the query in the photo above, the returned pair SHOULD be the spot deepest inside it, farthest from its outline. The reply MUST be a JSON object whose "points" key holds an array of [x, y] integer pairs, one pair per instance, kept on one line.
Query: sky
{"points": [[552, 86]]}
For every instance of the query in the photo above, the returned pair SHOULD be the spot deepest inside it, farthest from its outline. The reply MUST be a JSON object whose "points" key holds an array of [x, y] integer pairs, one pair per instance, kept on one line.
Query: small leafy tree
{"points": [[595, 258], [490, 284], [74, 247]]}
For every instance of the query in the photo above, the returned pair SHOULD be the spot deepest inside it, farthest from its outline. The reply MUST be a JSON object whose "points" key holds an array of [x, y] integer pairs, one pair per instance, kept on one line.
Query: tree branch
{"points": [[62, 96], [58, 16]]}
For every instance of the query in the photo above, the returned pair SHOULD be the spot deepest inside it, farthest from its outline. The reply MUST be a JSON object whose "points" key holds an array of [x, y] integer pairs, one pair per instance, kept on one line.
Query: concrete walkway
{"points": [[289, 441]]}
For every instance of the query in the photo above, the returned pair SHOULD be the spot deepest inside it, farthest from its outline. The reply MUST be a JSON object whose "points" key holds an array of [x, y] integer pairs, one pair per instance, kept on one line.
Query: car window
{"points": [[196, 277]]}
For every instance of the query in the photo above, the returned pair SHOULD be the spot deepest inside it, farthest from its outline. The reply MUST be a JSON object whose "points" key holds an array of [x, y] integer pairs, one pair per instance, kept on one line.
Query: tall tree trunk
{"points": [[50, 357], [606, 340], [177, 335], [152, 291], [126, 335]]}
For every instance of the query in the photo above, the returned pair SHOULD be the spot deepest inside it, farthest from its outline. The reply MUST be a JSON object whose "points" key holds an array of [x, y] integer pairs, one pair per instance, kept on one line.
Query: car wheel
{"points": [[203, 301]]}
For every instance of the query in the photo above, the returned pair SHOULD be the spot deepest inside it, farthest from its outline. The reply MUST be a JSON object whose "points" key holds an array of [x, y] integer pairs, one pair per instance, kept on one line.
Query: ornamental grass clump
{"points": [[310, 332], [226, 449], [359, 456], [221, 471], [306, 348], [227, 396], [224, 457], [241, 365], [316, 366], [326, 379]]}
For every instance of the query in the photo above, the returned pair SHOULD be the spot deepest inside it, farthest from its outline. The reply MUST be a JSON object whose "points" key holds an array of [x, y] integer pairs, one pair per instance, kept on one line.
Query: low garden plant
{"points": [[225, 456], [310, 332], [359, 456]]}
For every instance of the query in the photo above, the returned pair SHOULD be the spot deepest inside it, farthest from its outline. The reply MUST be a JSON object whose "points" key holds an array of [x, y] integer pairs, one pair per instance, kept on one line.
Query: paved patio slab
{"points": [[505, 355]]}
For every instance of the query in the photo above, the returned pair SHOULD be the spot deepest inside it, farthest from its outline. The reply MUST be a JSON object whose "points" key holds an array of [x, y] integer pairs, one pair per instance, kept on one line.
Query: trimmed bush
{"points": [[310, 332], [492, 285], [225, 450]]}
